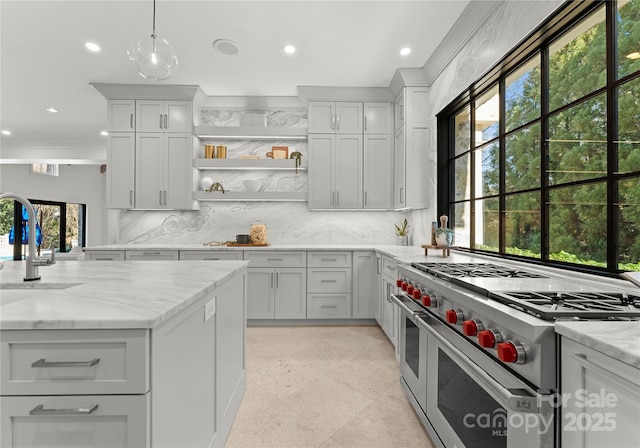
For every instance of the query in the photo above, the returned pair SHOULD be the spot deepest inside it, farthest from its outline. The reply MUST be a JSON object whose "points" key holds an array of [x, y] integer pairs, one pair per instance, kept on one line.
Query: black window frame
{"points": [[566, 16]]}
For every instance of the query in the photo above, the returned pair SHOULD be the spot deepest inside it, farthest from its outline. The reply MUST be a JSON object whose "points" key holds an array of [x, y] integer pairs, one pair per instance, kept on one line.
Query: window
{"points": [[542, 159], [61, 225]]}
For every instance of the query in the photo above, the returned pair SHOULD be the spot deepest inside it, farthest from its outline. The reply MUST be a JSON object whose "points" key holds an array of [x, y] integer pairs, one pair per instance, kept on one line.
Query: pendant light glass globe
{"points": [[153, 58]]}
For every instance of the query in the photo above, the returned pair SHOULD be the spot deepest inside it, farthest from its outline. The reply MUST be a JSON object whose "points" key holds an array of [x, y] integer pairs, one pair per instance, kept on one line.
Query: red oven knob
{"points": [[512, 352], [488, 338], [417, 294], [399, 282], [410, 289], [454, 316], [404, 285], [428, 300], [471, 327]]}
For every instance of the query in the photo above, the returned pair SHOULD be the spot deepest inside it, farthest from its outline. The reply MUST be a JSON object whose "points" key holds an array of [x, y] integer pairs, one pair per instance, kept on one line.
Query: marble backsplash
{"points": [[289, 118], [287, 223]]}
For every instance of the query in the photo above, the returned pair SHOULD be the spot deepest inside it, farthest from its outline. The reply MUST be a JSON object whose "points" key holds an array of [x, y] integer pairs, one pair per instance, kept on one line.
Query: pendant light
{"points": [[154, 57]]}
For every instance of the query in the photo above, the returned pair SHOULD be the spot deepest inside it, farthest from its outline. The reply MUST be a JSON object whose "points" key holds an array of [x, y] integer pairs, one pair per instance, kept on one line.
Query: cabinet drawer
{"points": [[389, 266], [260, 259], [58, 362], [134, 255], [196, 255], [104, 255], [75, 421], [325, 280], [328, 306], [329, 259]]}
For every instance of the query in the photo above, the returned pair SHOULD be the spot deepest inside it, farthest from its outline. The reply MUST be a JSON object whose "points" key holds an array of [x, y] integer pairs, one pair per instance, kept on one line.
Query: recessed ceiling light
{"points": [[104, 133], [634, 55], [6, 132], [289, 49], [92, 46], [226, 46], [52, 110], [405, 51]]}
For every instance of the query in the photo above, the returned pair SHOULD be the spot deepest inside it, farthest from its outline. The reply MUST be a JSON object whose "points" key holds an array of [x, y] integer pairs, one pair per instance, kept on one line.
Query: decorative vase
{"points": [[403, 240], [444, 237], [205, 183]]}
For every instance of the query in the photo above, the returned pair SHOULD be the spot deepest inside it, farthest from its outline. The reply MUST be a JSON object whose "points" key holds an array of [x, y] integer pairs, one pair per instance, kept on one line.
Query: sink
{"points": [[26, 286]]}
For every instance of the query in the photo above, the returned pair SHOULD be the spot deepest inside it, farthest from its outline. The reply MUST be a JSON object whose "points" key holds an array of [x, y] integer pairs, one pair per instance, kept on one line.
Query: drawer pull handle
{"points": [[40, 410], [329, 259], [328, 306], [104, 259], [275, 259], [328, 281], [150, 253], [42, 363], [215, 258]]}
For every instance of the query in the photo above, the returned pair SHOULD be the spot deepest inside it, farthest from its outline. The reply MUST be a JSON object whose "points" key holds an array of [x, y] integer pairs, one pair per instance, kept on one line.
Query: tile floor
{"points": [[324, 387]]}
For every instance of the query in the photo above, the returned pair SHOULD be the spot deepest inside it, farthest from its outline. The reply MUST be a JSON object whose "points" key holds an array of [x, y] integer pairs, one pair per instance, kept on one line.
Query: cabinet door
{"points": [[417, 184], [389, 317], [364, 285], [377, 118], [399, 191], [349, 118], [149, 116], [120, 115], [399, 111], [290, 292], [102, 421], [348, 171], [322, 117], [378, 163], [320, 175], [178, 116], [379, 290], [104, 255], [416, 104], [260, 293], [121, 170], [602, 396], [178, 171], [149, 171]]}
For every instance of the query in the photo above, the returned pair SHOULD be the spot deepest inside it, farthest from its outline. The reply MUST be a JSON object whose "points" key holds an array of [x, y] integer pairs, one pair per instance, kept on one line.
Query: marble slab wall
{"points": [[283, 118], [287, 223]]}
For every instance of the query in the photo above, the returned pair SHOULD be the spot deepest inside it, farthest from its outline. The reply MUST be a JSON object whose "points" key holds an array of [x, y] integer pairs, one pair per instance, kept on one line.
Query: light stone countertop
{"points": [[618, 339], [126, 294]]}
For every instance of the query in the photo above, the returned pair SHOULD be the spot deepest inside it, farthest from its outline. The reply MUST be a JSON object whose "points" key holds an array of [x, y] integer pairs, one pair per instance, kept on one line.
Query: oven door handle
{"points": [[411, 314], [517, 400]]}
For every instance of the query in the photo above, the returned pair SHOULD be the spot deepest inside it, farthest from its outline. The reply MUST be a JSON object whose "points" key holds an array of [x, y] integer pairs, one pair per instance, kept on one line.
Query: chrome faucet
{"points": [[32, 260]]}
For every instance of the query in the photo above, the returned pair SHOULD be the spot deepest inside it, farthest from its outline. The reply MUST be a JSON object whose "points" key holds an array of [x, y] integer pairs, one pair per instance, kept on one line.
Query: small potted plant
{"points": [[402, 231]]}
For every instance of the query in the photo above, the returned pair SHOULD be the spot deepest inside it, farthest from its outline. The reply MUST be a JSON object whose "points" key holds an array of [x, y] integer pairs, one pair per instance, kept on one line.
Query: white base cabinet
{"points": [[387, 314], [364, 285], [601, 396], [178, 384], [329, 285]]}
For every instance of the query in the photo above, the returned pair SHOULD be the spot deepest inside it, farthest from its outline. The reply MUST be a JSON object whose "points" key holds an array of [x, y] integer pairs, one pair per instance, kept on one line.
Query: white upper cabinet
{"points": [[163, 116], [121, 149], [121, 115], [378, 118], [342, 117], [377, 173]]}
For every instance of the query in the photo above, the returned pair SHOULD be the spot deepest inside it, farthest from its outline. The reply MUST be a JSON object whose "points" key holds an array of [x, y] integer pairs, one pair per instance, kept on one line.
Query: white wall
{"points": [[83, 184]]}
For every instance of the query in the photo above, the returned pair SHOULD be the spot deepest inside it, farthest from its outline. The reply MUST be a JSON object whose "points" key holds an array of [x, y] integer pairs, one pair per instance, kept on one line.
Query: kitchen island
{"points": [[122, 353]]}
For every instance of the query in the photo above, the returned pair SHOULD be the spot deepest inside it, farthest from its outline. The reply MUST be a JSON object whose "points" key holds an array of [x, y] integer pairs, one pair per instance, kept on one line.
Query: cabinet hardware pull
{"points": [[365, 198], [101, 259], [43, 363], [40, 410], [328, 306], [327, 280], [165, 197], [379, 262], [130, 197], [160, 197], [166, 126], [333, 198], [151, 252], [365, 123], [211, 258], [333, 122], [338, 123], [328, 259], [275, 259], [160, 121], [615, 377], [337, 198], [401, 191], [131, 121]]}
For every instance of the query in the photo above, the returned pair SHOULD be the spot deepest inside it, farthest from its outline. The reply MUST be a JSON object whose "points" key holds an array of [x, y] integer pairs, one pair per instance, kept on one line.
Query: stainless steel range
{"points": [[478, 347]]}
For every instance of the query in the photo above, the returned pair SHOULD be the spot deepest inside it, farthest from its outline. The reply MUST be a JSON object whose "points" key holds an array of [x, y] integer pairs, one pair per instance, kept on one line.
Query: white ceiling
{"points": [[340, 43]]}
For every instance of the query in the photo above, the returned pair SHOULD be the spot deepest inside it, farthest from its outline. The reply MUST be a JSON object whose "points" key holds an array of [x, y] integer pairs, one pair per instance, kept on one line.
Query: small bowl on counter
{"points": [[251, 185]]}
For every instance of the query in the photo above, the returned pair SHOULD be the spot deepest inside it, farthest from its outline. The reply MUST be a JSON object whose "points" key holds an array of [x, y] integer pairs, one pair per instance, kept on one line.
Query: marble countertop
{"points": [[131, 294], [620, 340]]}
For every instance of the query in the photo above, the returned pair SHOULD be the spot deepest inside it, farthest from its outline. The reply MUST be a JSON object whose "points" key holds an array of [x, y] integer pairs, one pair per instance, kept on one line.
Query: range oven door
{"points": [[476, 402], [413, 349]]}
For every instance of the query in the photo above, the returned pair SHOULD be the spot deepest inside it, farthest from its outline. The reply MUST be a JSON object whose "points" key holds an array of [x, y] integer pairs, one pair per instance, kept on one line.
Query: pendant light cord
{"points": [[154, 20]]}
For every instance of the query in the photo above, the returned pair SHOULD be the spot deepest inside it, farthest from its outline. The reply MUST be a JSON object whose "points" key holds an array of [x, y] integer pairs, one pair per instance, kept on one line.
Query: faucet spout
{"points": [[32, 261]]}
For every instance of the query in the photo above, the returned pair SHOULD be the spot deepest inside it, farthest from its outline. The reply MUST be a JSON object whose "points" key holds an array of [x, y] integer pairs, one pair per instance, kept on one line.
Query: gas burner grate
{"points": [[485, 270], [573, 304]]}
